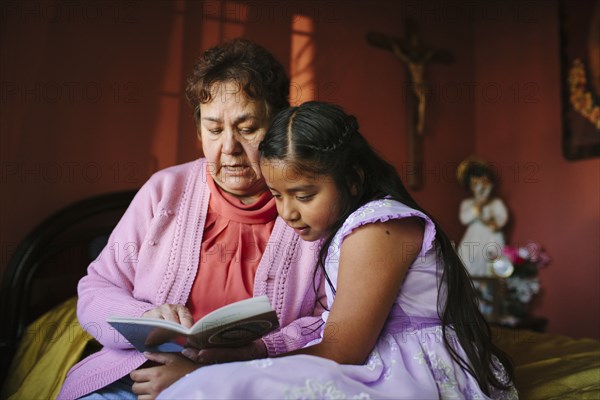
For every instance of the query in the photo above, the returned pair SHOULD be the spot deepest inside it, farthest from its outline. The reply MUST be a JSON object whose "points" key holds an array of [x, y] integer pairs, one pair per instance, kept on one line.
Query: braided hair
{"points": [[322, 139]]}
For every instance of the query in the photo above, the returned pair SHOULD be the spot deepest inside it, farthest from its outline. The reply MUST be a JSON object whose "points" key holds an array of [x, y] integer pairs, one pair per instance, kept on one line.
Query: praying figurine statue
{"points": [[484, 215]]}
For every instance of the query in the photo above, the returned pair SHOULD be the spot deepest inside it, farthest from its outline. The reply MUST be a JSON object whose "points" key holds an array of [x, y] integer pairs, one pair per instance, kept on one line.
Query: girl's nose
{"points": [[289, 212]]}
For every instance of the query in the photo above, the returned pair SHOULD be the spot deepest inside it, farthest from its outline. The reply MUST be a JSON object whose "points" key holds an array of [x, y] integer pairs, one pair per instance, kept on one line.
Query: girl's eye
{"points": [[305, 198], [215, 131]]}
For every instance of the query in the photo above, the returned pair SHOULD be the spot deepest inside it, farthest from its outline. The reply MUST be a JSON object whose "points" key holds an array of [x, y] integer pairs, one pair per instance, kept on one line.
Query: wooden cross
{"points": [[414, 55]]}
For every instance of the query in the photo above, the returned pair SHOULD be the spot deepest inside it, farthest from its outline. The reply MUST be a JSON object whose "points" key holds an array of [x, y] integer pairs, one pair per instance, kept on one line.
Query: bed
{"points": [[40, 338], [43, 274]]}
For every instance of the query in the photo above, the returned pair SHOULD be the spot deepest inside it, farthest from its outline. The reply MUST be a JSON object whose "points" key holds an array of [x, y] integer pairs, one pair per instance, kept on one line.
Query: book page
{"points": [[233, 312]]}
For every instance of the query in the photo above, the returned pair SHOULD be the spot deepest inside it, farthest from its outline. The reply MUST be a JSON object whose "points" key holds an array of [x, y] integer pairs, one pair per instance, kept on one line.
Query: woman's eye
{"points": [[213, 130], [247, 131]]}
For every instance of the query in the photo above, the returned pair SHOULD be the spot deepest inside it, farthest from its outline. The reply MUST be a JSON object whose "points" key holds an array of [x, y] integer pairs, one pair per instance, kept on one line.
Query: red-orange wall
{"points": [[92, 102], [552, 201]]}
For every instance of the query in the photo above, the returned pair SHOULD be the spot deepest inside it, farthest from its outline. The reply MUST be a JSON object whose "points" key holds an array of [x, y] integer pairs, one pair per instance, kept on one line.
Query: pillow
{"points": [[50, 346]]}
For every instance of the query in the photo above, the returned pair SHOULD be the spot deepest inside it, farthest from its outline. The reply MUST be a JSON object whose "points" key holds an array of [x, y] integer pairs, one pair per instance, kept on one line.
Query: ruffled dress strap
{"points": [[380, 210], [383, 210]]}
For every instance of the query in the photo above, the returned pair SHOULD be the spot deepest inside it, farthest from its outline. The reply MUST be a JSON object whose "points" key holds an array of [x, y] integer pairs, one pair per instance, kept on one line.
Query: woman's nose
{"points": [[231, 143]]}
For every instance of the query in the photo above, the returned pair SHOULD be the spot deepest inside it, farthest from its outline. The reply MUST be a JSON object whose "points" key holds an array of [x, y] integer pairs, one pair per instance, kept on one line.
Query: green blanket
{"points": [[552, 366]]}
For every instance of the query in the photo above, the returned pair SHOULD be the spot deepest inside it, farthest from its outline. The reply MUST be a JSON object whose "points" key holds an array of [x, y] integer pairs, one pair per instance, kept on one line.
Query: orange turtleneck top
{"points": [[235, 237]]}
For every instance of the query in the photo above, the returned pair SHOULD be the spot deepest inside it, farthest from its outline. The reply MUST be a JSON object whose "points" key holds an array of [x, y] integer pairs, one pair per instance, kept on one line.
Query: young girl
{"points": [[403, 320]]}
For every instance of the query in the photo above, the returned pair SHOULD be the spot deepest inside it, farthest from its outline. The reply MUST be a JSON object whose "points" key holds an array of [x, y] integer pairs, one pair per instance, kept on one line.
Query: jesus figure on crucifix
{"points": [[415, 57], [416, 69]]}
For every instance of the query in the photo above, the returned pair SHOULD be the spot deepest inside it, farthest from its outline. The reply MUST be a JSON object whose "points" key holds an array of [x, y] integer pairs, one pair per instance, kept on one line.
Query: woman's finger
{"points": [[172, 312], [185, 317], [169, 313]]}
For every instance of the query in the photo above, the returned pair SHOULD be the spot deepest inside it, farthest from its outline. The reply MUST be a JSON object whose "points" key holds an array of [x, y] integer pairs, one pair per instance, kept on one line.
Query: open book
{"points": [[233, 325]]}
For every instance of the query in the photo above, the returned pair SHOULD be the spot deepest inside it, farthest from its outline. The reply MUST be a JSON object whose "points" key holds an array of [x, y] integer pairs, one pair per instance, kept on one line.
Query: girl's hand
{"points": [[253, 351], [171, 312], [149, 382]]}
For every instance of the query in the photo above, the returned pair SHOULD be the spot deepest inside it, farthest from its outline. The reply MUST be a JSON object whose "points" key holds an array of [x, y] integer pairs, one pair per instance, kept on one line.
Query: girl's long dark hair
{"points": [[321, 138]]}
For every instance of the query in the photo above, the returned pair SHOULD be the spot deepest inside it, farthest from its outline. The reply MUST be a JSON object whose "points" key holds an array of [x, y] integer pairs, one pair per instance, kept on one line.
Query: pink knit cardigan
{"points": [[151, 259]]}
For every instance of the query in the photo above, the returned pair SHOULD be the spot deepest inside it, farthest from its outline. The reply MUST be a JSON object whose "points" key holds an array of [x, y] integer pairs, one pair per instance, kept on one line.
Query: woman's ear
{"points": [[197, 122]]}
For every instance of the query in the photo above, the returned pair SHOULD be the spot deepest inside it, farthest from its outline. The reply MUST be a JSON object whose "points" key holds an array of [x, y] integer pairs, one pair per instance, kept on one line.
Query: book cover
{"points": [[233, 325]]}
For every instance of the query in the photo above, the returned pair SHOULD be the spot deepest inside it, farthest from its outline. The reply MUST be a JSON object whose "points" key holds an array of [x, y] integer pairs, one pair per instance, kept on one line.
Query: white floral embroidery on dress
{"points": [[388, 371], [500, 374], [443, 374], [391, 341], [262, 363], [365, 212], [420, 357], [374, 361], [314, 389], [383, 203]]}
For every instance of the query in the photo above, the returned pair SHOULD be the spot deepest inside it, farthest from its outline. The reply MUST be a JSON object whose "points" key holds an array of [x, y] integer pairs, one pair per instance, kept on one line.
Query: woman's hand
{"points": [[171, 312], [149, 382], [252, 351]]}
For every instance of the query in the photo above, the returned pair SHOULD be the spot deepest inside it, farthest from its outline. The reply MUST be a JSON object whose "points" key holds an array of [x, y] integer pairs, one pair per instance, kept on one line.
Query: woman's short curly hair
{"points": [[259, 74]]}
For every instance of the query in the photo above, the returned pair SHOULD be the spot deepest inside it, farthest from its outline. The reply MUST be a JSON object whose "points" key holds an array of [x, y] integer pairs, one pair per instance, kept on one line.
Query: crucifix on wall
{"points": [[415, 56]]}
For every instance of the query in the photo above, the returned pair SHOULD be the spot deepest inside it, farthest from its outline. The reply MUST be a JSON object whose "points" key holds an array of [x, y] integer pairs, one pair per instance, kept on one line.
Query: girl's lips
{"points": [[301, 231]]}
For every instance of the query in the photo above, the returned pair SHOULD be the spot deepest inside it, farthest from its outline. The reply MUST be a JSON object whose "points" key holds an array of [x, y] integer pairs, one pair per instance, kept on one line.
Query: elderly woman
{"points": [[206, 234]]}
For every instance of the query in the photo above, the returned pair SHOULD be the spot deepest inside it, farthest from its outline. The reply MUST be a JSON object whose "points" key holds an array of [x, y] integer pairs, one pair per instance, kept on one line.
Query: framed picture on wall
{"points": [[579, 23]]}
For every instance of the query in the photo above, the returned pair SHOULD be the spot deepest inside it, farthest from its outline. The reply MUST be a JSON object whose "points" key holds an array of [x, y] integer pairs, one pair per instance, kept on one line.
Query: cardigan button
{"points": [[151, 242], [263, 277]]}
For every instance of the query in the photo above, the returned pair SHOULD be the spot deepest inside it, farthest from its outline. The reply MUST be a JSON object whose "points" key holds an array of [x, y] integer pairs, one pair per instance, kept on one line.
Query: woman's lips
{"points": [[235, 170]]}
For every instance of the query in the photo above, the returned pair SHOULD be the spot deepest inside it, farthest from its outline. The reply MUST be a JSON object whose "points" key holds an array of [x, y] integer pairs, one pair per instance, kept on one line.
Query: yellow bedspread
{"points": [[50, 347], [552, 366], [546, 366]]}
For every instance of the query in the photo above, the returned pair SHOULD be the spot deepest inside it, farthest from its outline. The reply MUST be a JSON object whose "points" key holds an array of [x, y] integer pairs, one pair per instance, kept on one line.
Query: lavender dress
{"points": [[409, 361]]}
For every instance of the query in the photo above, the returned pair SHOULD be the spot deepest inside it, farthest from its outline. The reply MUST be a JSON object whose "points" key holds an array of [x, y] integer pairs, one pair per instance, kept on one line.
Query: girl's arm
{"points": [[373, 261]]}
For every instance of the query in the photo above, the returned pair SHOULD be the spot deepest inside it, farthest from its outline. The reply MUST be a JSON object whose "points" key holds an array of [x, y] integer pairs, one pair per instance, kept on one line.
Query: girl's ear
{"points": [[356, 180]]}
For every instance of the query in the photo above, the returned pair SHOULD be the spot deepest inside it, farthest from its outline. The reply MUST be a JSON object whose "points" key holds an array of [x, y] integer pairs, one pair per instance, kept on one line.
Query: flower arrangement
{"points": [[522, 285], [582, 99]]}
